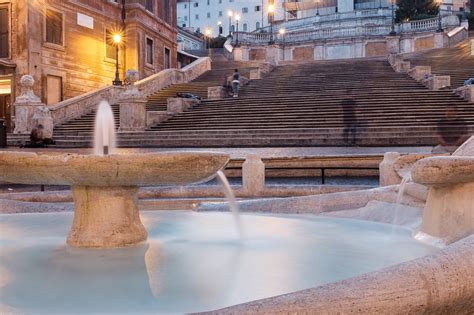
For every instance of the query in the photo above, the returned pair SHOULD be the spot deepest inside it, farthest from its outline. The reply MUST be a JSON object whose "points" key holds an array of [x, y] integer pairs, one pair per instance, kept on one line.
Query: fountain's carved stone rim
{"points": [[444, 170], [134, 169]]}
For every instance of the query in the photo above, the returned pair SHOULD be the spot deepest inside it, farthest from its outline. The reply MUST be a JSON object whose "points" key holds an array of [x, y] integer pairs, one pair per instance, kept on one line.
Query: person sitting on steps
{"points": [[236, 83]]}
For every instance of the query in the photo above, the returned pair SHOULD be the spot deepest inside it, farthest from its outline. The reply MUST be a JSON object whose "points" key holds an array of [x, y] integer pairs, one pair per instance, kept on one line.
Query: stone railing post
{"points": [[437, 82], [26, 105], [420, 72], [387, 173], [466, 92], [132, 105], [393, 44], [253, 175], [216, 92]]}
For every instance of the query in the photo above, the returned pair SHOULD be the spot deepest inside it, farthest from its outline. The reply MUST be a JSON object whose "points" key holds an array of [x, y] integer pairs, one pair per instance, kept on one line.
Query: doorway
{"points": [[5, 101]]}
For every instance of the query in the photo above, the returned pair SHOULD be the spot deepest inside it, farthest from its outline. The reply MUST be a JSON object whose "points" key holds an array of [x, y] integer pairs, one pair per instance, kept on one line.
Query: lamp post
{"points": [[392, 32], [271, 14], [230, 13], [440, 26], [117, 40], [237, 19], [282, 32], [208, 40], [219, 26], [317, 7]]}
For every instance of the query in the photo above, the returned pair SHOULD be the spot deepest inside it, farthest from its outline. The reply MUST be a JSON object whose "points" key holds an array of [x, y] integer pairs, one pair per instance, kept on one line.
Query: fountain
{"points": [[105, 185], [194, 262]]}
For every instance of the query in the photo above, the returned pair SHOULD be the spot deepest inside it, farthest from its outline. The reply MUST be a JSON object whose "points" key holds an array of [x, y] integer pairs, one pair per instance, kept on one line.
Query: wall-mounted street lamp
{"points": [[219, 26], [271, 14], [237, 19], [117, 40], [230, 14]]}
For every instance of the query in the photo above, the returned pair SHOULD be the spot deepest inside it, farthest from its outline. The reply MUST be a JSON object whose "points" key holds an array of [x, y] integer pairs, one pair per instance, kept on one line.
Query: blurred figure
{"points": [[227, 85], [349, 118], [469, 81], [452, 132], [236, 83]]}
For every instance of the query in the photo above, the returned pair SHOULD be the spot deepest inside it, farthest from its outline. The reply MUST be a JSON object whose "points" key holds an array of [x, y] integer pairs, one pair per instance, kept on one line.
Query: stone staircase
{"points": [[456, 62], [294, 105]]}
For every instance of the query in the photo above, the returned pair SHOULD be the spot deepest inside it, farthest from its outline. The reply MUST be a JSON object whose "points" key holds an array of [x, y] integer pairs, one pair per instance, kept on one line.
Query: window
{"points": [[208, 2], [257, 8], [245, 27], [149, 51], [208, 15], [185, 6], [196, 4], [4, 33], [245, 10], [220, 1], [167, 58], [231, 0], [257, 25], [149, 5], [185, 17], [220, 13], [196, 17], [110, 49], [183, 25], [54, 27]]}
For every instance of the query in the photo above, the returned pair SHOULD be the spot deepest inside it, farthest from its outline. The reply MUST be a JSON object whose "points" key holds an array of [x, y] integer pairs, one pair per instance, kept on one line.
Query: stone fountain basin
{"points": [[164, 168], [444, 170]]}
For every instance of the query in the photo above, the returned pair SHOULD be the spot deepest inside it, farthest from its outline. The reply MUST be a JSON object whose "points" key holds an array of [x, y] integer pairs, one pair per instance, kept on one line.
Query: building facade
{"points": [[214, 15], [68, 48]]}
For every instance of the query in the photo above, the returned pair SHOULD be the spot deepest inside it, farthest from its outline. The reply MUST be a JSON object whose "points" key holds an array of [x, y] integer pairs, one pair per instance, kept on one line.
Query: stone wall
{"points": [[303, 53], [81, 62], [424, 43], [375, 49]]}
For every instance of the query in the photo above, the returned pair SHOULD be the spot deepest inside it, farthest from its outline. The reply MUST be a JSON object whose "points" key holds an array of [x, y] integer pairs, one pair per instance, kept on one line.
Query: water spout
{"points": [[234, 208], [104, 131]]}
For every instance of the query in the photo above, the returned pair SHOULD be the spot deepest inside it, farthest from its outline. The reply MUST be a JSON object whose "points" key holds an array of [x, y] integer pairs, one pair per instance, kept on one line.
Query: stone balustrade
{"points": [[80, 105]]}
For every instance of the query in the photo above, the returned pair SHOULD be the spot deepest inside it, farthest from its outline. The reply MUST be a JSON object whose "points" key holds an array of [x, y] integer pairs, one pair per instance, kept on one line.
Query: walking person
{"points": [[236, 82], [349, 117]]}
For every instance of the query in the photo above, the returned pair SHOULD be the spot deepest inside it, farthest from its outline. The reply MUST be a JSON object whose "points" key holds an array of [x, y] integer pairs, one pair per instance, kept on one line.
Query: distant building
{"points": [[214, 14], [67, 46], [190, 40]]}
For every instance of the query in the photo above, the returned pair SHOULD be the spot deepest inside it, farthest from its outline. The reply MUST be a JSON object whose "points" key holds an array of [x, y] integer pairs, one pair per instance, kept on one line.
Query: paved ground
{"points": [[263, 152]]}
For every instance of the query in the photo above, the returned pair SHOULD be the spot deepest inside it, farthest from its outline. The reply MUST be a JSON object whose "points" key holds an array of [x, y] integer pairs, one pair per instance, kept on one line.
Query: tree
{"points": [[416, 9]]}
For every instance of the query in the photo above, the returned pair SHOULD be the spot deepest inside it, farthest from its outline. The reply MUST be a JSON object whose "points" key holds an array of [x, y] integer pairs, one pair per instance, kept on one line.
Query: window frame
{"points": [[63, 30], [7, 6], [147, 64]]}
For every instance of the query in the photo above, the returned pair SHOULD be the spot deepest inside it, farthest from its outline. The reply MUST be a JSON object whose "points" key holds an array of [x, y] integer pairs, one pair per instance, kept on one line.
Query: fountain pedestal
{"points": [[106, 217], [448, 214]]}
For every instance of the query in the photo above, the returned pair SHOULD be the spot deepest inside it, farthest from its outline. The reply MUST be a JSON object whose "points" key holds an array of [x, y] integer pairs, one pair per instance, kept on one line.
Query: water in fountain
{"points": [[232, 202], [401, 191], [104, 132]]}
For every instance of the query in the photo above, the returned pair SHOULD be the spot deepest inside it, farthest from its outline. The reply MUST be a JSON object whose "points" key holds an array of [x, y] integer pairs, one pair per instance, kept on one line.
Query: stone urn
{"points": [[105, 187]]}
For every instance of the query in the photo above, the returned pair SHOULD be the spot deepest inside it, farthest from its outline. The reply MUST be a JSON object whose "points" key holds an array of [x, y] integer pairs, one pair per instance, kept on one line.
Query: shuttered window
{"points": [[54, 27], [4, 33]]}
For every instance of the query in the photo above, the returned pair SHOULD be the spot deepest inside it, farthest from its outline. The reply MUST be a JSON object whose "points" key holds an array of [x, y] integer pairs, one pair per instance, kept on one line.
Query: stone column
{"points": [[26, 105], [132, 105], [440, 40], [393, 44], [253, 175]]}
